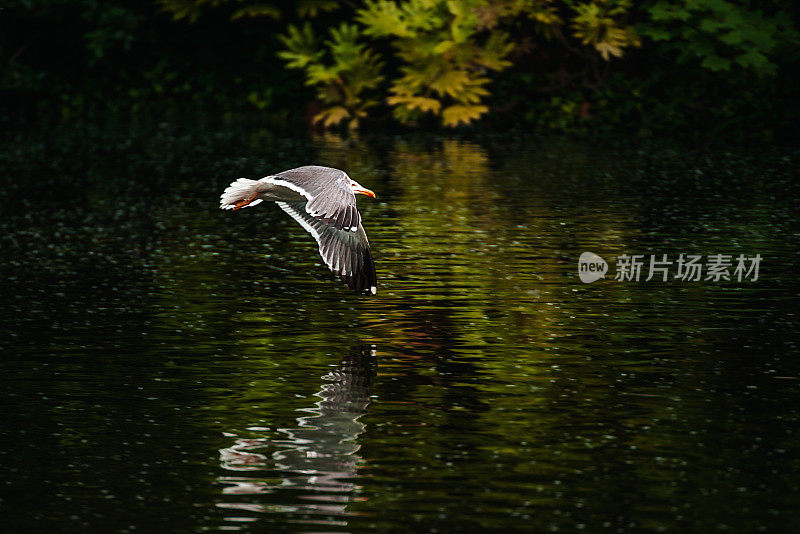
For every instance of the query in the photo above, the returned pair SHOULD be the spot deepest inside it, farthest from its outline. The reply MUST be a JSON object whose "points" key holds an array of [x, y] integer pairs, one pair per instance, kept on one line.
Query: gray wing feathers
{"points": [[330, 197], [345, 252]]}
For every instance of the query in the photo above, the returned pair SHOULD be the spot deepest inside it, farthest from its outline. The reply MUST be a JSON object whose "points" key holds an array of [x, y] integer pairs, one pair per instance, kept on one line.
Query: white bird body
{"points": [[322, 200]]}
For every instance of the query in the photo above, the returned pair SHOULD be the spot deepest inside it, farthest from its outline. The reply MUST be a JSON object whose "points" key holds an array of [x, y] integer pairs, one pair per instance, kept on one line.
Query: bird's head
{"points": [[358, 189]]}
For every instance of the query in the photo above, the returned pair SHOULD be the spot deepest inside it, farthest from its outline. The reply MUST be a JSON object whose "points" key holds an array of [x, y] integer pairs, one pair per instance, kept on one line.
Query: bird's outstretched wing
{"points": [[345, 252], [330, 197]]}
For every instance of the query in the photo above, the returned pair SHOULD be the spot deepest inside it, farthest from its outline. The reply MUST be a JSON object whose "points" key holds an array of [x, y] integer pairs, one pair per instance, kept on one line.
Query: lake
{"points": [[171, 367]]}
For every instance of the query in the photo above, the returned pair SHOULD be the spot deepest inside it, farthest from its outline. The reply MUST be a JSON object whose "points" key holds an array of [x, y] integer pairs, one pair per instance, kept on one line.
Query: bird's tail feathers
{"points": [[239, 194]]}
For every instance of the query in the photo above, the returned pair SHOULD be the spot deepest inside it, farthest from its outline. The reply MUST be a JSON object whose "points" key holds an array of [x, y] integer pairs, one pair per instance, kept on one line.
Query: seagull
{"points": [[323, 201]]}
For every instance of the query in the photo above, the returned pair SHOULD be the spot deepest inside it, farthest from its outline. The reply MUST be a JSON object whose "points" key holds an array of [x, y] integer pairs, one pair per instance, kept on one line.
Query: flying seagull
{"points": [[323, 201]]}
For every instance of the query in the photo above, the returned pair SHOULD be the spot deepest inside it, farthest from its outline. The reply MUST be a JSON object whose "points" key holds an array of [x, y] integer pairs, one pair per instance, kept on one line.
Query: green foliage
{"points": [[184, 9], [257, 10], [313, 8], [445, 58], [342, 70], [447, 50], [574, 65], [114, 26], [721, 34], [601, 24]]}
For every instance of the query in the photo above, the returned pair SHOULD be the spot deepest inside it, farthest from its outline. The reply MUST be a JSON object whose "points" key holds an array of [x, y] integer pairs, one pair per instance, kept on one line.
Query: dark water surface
{"points": [[170, 367]]}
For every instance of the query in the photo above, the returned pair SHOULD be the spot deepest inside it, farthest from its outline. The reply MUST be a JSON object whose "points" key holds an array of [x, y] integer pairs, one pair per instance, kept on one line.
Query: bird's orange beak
{"points": [[363, 191]]}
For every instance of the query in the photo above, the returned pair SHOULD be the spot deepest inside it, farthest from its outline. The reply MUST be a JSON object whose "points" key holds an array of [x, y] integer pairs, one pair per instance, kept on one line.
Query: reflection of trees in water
{"points": [[427, 344], [310, 473]]}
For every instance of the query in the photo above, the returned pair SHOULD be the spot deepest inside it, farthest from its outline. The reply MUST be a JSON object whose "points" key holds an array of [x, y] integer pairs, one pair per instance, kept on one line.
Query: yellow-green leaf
{"points": [[257, 10], [457, 114], [450, 82], [424, 104], [331, 116]]}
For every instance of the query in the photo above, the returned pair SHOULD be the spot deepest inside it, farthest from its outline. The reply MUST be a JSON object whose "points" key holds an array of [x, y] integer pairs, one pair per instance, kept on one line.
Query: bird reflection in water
{"points": [[310, 475]]}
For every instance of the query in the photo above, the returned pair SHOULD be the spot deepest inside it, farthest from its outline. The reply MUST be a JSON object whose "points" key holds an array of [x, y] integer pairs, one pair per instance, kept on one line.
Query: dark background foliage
{"points": [[703, 68]]}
